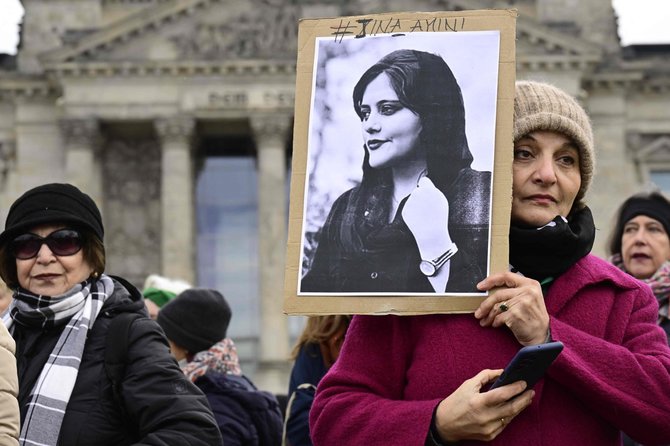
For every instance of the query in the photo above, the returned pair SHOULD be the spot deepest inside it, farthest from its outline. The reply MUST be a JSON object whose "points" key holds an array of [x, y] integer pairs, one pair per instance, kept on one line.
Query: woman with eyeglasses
{"points": [[52, 255]]}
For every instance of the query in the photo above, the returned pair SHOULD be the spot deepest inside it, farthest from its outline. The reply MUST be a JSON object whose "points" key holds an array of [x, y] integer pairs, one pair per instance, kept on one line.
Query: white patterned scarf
{"points": [[78, 308], [221, 358]]}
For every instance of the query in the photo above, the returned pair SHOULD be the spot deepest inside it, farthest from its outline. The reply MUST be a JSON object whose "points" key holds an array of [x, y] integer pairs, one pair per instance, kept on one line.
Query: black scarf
{"points": [[547, 252]]}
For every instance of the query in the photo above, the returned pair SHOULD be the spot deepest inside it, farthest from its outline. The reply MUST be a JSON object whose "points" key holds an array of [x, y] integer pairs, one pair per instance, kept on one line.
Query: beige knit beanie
{"points": [[540, 106]]}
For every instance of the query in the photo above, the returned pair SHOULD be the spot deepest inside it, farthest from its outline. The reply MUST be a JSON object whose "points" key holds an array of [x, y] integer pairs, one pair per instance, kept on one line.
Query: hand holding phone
{"points": [[529, 364]]}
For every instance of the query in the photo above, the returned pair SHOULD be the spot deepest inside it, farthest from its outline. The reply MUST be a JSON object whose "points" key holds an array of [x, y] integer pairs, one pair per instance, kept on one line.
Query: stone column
{"points": [[177, 215], [270, 134], [82, 156], [7, 170], [7, 161]]}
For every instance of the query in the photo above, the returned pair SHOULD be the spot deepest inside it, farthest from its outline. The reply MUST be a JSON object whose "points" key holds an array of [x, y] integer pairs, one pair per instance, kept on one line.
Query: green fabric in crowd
{"points": [[158, 296]]}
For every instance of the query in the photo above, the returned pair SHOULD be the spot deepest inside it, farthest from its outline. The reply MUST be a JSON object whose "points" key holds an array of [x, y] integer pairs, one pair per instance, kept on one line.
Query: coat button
{"points": [[373, 275]]}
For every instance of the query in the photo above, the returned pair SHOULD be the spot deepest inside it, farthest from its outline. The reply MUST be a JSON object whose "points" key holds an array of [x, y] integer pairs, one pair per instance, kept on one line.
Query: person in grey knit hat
{"points": [[425, 379], [540, 106]]}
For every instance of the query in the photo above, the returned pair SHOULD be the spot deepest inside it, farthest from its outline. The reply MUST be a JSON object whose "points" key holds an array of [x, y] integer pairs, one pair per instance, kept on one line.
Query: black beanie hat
{"points": [[196, 319], [654, 206], [52, 203]]}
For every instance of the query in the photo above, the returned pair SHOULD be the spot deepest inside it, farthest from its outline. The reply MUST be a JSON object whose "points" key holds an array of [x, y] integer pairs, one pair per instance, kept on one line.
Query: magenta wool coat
{"points": [[614, 373]]}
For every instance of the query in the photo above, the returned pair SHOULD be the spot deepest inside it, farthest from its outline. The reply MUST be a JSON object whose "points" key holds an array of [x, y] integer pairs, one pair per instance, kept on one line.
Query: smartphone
{"points": [[529, 364]]}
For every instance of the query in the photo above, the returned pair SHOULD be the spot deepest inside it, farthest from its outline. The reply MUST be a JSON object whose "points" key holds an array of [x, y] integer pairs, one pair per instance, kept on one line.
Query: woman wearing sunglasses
{"points": [[52, 256]]}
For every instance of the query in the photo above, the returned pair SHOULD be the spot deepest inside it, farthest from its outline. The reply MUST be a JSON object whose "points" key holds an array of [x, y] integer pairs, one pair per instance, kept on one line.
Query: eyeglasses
{"points": [[64, 242]]}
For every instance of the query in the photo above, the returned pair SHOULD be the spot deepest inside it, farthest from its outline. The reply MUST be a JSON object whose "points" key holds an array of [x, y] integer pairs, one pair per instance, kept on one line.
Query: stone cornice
{"points": [[172, 68], [629, 81], [653, 85], [144, 21], [613, 80], [130, 2], [557, 62], [27, 88]]}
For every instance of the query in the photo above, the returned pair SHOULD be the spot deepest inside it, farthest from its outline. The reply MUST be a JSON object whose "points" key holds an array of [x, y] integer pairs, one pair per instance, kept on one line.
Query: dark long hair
{"points": [[425, 85]]}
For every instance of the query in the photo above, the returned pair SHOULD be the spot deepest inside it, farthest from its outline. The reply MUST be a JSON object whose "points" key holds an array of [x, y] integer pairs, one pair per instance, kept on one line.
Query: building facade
{"points": [[176, 117]]}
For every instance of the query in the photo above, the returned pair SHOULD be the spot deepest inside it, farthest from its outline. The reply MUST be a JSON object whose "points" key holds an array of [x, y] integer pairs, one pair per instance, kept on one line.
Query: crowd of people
{"points": [[88, 359]]}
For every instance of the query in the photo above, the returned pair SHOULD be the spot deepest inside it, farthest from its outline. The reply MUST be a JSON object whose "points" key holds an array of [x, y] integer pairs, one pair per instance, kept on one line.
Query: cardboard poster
{"points": [[401, 180]]}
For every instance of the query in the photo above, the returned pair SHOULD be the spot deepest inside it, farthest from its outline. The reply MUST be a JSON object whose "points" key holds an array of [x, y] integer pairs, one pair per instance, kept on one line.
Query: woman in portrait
{"points": [[422, 380], [418, 221], [63, 311]]}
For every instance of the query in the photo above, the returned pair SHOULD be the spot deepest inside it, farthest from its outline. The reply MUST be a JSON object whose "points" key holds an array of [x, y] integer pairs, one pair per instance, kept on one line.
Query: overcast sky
{"points": [[640, 21]]}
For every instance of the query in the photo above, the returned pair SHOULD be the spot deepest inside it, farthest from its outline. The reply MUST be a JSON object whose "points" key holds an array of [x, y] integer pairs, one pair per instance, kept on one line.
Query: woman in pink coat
{"points": [[421, 380]]}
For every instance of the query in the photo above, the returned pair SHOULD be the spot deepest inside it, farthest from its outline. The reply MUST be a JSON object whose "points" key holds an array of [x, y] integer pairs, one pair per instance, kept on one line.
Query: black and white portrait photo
{"points": [[400, 160]]}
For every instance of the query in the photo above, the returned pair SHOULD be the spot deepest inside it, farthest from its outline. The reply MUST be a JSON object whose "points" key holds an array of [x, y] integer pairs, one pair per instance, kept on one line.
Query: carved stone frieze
{"points": [[244, 68], [175, 129], [266, 127], [132, 189], [28, 90], [267, 32], [81, 133]]}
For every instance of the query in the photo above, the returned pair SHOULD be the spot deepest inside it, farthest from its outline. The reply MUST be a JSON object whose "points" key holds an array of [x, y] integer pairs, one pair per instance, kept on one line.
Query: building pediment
{"points": [[225, 29], [535, 36], [542, 48], [537, 39], [650, 148], [195, 30]]}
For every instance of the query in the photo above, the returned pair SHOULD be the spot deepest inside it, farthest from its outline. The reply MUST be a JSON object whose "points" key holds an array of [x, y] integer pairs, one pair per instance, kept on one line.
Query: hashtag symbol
{"points": [[342, 30]]}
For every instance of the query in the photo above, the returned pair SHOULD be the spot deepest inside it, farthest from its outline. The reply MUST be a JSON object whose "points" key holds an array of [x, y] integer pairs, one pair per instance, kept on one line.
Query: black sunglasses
{"points": [[64, 242]]}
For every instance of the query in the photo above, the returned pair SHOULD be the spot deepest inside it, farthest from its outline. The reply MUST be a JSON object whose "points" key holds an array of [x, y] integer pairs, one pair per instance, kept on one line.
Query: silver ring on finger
{"points": [[503, 307], [503, 422]]}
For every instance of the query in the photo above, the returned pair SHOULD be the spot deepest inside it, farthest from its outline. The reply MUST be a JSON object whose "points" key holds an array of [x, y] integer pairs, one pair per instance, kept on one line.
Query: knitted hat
{"points": [[196, 319], [52, 203], [539, 106], [654, 206], [160, 290]]}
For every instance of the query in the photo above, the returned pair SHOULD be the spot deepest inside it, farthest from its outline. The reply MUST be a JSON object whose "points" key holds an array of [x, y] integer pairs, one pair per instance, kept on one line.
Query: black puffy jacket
{"points": [[162, 407]]}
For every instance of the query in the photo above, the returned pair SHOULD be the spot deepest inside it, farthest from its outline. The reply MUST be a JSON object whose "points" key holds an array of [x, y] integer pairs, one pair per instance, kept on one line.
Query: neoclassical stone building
{"points": [[176, 116]]}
